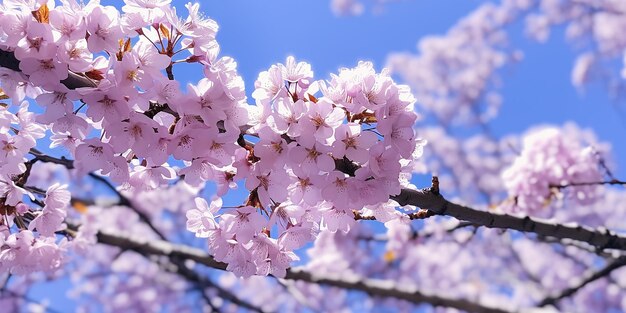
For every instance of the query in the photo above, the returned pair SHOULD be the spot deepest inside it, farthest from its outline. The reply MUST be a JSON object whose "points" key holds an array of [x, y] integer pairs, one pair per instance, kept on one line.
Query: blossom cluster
{"points": [[125, 94], [308, 162], [552, 160], [35, 248], [110, 66], [18, 134], [315, 160]]}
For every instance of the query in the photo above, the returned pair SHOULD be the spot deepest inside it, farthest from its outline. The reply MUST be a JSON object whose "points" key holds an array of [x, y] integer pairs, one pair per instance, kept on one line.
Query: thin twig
{"points": [[573, 184], [551, 300]]}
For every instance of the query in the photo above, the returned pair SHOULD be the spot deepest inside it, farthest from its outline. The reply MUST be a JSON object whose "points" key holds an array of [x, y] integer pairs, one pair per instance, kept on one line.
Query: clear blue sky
{"points": [[537, 90]]}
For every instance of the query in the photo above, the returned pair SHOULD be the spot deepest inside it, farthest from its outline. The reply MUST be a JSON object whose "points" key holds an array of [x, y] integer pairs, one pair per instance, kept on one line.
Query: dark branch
{"points": [[608, 182], [590, 278], [39, 156], [123, 200], [203, 282], [426, 199], [374, 287]]}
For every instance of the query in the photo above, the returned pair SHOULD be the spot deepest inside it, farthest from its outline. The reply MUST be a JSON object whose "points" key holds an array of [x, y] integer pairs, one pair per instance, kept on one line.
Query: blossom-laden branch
{"points": [[123, 200], [177, 265], [73, 80], [373, 287], [430, 199]]}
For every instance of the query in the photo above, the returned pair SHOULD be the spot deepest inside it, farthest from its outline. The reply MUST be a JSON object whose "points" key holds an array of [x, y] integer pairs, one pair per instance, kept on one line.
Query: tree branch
{"points": [[179, 268], [123, 200], [607, 182], [427, 199], [551, 300], [373, 287]]}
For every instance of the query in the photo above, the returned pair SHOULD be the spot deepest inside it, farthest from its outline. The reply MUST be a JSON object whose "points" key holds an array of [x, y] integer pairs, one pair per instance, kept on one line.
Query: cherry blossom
{"points": [[196, 173]]}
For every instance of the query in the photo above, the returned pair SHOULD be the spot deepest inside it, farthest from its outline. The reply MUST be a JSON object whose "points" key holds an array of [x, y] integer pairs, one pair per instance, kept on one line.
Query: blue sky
{"points": [[536, 91]]}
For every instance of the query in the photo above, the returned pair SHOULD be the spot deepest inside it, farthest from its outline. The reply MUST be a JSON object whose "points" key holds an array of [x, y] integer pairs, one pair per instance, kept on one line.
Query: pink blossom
{"points": [[196, 25], [242, 223], [137, 132], [13, 148], [335, 219], [319, 122], [207, 100], [297, 236], [51, 217], [552, 157], [399, 133], [13, 193], [44, 72], [269, 86], [285, 118], [305, 188], [150, 60], [151, 177], [298, 75], [159, 148], [240, 262], [373, 91], [201, 219], [57, 104], [141, 5], [224, 180], [199, 171], [104, 29], [129, 73], [92, 154], [271, 147], [165, 91], [37, 44], [117, 169], [312, 160], [73, 125], [353, 143], [109, 106], [269, 259], [384, 162], [69, 25], [336, 189], [15, 24], [269, 184], [188, 134]]}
